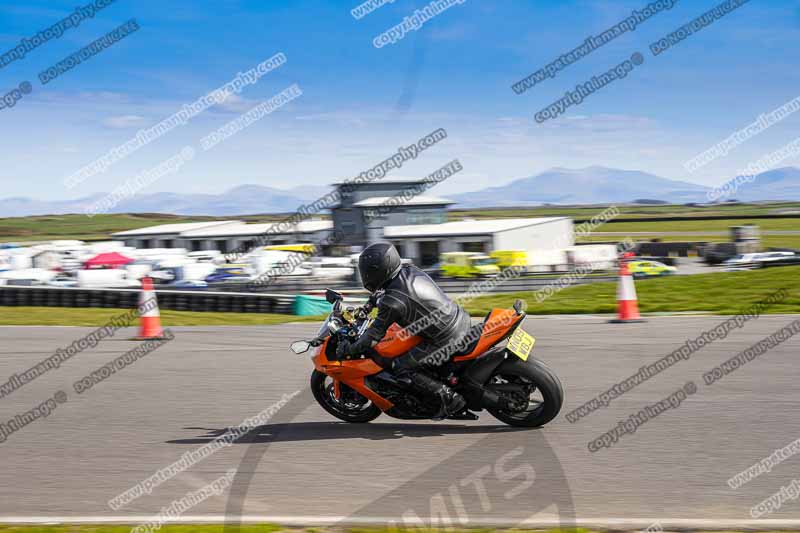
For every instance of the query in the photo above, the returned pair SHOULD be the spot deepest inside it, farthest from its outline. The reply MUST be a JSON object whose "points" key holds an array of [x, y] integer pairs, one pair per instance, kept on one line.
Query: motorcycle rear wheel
{"points": [[322, 388], [533, 372]]}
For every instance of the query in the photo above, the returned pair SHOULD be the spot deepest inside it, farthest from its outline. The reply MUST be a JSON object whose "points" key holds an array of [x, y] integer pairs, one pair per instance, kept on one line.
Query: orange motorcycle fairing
{"points": [[497, 324], [352, 374], [395, 343]]}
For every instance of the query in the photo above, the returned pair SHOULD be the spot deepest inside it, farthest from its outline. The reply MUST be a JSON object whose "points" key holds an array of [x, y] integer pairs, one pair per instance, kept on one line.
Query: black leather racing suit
{"points": [[414, 301]]}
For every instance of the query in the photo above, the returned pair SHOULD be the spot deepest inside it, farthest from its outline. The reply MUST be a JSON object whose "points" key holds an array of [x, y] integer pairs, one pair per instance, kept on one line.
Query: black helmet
{"points": [[378, 263]]}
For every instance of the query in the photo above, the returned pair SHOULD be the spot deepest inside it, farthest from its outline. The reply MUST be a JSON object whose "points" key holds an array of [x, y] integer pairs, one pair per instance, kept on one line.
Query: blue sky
{"points": [[360, 103]]}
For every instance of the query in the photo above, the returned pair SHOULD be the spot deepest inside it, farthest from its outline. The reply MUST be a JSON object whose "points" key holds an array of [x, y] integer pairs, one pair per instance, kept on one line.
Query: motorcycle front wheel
{"points": [[350, 406], [545, 392]]}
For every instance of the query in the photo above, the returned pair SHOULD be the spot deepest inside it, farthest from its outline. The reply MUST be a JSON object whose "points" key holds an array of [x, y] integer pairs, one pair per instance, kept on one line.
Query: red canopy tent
{"points": [[111, 259]]}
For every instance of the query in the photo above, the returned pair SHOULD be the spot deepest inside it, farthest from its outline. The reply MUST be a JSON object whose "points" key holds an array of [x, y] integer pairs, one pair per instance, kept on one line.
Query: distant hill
{"points": [[778, 184], [242, 200], [592, 185], [601, 185]]}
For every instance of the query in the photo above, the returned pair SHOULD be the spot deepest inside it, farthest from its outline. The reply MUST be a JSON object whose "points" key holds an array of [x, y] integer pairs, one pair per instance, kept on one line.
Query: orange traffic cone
{"points": [[150, 318], [627, 304]]}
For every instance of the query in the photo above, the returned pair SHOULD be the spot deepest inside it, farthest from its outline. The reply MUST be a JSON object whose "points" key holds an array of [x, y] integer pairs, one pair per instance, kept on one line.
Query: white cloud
{"points": [[121, 122], [233, 103], [342, 118]]}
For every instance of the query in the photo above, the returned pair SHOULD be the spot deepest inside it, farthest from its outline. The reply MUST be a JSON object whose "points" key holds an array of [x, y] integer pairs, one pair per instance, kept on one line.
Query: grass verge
{"points": [[68, 316], [765, 224], [98, 227], [721, 292], [767, 241]]}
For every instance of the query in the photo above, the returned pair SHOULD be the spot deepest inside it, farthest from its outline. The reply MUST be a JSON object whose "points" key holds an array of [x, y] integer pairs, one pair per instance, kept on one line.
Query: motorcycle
{"points": [[507, 381]]}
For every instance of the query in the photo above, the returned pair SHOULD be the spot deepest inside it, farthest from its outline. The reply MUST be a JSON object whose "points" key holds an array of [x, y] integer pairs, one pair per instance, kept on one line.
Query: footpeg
{"points": [[463, 415]]}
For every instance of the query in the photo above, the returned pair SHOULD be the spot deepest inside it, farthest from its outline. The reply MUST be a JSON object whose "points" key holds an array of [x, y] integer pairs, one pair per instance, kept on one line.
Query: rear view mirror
{"points": [[300, 346], [332, 296]]}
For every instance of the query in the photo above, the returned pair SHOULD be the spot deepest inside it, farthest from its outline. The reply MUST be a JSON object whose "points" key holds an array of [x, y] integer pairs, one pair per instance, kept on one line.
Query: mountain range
{"points": [[601, 185], [592, 185], [241, 200]]}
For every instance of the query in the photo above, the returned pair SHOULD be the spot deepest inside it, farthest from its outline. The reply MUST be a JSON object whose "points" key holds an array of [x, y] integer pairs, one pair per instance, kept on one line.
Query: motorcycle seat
{"points": [[474, 335]]}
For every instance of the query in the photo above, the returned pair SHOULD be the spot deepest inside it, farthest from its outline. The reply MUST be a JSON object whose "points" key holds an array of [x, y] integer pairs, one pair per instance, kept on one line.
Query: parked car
{"points": [[63, 280], [510, 258], [647, 269], [184, 284], [110, 278], [229, 273], [468, 265], [306, 248], [207, 256], [276, 263], [747, 261], [27, 276]]}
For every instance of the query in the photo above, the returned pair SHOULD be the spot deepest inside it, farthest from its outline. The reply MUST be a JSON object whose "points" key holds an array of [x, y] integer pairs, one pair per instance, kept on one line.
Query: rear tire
{"points": [[323, 393], [547, 384]]}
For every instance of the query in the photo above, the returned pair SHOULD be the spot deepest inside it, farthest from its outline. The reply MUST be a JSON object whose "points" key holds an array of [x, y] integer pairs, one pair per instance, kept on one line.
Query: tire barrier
{"points": [[210, 301]]}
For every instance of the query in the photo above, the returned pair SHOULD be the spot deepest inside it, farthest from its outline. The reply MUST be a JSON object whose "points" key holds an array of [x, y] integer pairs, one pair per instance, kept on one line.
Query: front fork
{"points": [[337, 389]]}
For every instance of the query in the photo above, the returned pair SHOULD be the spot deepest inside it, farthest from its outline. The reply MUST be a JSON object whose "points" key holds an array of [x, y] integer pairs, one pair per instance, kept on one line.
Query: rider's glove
{"points": [[343, 348], [372, 302]]}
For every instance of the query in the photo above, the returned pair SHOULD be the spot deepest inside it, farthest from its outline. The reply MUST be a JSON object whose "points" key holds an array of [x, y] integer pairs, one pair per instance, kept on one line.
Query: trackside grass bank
{"points": [[719, 293], [724, 293], [68, 316]]}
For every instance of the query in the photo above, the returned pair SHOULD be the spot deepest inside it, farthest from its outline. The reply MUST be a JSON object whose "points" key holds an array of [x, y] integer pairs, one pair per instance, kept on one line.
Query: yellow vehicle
{"points": [[510, 258], [644, 269], [309, 249], [468, 265]]}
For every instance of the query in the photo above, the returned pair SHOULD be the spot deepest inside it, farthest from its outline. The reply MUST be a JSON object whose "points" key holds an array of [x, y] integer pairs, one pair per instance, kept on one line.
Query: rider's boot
{"points": [[409, 371], [451, 402]]}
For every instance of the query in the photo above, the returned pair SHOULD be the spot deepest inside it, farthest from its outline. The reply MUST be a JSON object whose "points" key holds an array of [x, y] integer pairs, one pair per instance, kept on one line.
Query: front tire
{"points": [[547, 384], [322, 388]]}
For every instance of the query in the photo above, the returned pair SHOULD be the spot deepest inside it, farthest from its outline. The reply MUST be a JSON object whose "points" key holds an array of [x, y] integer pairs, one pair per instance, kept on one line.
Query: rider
{"points": [[410, 296]]}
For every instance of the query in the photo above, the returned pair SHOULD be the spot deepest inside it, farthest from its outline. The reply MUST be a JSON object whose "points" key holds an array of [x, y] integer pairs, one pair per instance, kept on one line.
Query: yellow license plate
{"points": [[520, 344]]}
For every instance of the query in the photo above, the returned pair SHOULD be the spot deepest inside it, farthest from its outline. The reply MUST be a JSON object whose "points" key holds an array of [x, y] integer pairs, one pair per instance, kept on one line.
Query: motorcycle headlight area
{"points": [[333, 324], [324, 330]]}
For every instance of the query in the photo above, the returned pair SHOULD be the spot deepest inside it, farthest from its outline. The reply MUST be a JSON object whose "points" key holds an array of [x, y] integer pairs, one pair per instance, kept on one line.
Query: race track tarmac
{"points": [[304, 463]]}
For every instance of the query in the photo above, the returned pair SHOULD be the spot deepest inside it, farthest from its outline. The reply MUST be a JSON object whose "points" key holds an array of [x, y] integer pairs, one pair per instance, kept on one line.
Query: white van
{"points": [[330, 267], [107, 278]]}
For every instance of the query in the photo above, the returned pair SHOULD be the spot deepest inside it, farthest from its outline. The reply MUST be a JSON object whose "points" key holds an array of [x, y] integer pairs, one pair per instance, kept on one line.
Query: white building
{"points": [[245, 236], [423, 243], [165, 235], [225, 236]]}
